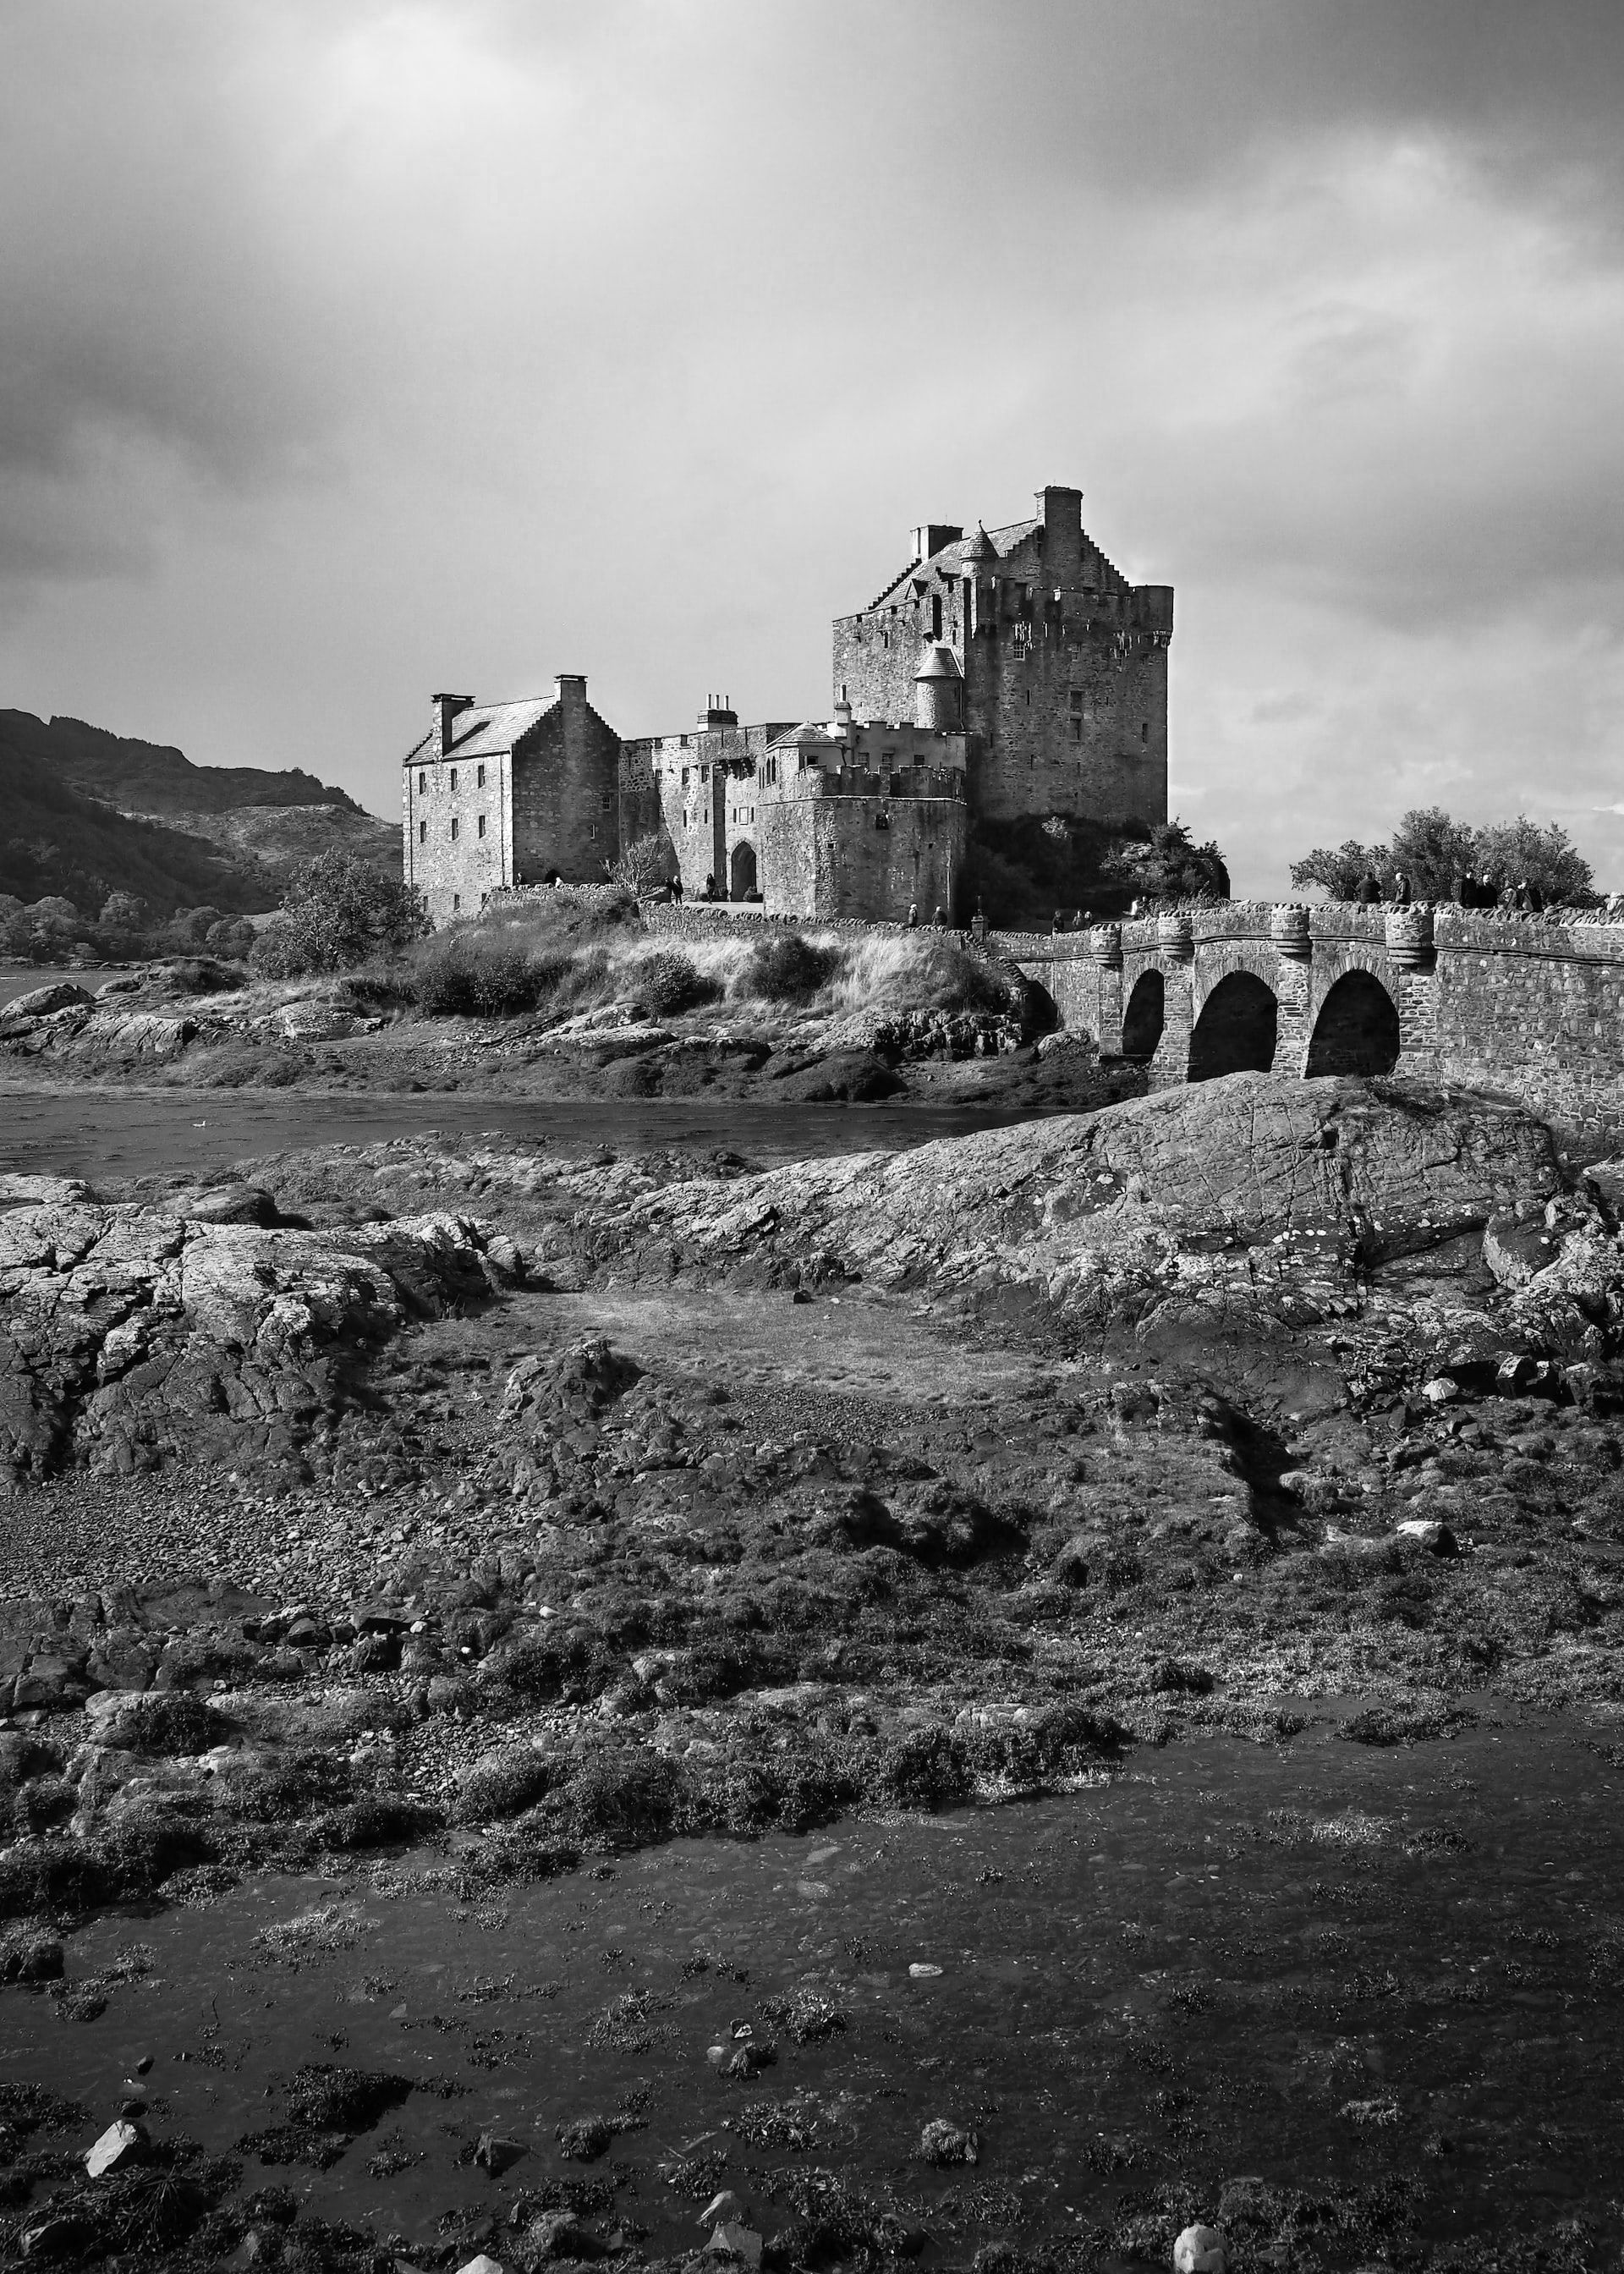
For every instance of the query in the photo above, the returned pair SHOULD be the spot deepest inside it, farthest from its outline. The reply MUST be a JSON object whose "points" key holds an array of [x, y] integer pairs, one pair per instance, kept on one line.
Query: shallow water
{"points": [[1330, 1967], [132, 1133]]}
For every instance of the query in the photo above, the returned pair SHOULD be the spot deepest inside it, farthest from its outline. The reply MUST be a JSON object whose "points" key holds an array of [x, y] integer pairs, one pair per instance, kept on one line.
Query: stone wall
{"points": [[566, 774], [826, 855], [456, 824], [1528, 1008]]}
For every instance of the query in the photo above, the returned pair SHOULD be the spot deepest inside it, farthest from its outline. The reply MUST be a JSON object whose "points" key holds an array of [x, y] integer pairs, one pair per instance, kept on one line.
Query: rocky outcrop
{"points": [[131, 1335], [1255, 1189]]}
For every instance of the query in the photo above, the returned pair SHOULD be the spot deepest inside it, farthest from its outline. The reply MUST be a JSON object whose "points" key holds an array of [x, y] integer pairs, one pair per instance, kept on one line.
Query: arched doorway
{"points": [[1142, 1020], [742, 870], [1237, 1029], [1356, 1031]]}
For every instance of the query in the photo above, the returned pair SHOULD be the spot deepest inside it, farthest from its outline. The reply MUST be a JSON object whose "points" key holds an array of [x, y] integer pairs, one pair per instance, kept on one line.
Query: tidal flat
{"points": [[525, 1658]]}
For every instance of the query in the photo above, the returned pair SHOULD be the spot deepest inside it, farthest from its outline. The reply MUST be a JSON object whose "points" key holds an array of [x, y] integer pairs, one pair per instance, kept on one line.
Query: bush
{"points": [[672, 981], [790, 969]]}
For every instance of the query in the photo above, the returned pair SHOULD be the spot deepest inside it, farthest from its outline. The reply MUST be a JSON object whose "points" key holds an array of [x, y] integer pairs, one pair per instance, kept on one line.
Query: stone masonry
{"points": [[1063, 663], [508, 794]]}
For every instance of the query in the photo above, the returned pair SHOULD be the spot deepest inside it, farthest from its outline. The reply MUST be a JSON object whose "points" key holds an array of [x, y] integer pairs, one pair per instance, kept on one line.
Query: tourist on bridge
{"points": [[1368, 890], [912, 917], [1402, 894]]}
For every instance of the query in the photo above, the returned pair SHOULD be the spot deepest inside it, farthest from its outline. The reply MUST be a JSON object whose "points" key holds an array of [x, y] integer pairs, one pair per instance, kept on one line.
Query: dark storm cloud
{"points": [[337, 338]]}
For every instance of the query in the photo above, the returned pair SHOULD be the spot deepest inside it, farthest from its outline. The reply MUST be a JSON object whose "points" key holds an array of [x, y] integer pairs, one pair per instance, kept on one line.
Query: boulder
{"points": [[1201, 2250], [61, 995]]}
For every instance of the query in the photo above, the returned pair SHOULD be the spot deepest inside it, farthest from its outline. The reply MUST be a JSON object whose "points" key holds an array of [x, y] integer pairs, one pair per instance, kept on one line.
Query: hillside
{"points": [[86, 812]]}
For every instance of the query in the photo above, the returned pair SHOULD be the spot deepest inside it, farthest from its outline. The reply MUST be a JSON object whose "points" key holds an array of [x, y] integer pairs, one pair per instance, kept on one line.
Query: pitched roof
{"points": [[950, 560], [488, 730]]}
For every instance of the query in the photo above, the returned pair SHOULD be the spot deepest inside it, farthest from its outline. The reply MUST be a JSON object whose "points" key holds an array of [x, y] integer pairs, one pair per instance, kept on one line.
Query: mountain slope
{"points": [[83, 812]]}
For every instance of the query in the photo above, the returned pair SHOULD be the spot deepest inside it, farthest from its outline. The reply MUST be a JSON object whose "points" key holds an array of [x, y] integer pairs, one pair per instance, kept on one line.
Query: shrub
{"points": [[790, 968], [672, 981]]}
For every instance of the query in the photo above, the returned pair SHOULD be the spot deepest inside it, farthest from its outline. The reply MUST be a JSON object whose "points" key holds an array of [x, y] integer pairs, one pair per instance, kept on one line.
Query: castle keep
{"points": [[1011, 672], [1062, 664]]}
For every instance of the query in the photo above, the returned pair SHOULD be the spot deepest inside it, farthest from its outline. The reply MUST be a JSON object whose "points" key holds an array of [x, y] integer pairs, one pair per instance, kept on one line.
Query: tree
{"points": [[122, 912], [1547, 856], [1340, 871], [1171, 867], [1434, 850], [337, 910], [646, 863]]}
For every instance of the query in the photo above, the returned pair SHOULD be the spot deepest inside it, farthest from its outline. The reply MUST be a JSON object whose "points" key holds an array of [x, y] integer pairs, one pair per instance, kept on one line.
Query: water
{"points": [[131, 1132], [1329, 1967]]}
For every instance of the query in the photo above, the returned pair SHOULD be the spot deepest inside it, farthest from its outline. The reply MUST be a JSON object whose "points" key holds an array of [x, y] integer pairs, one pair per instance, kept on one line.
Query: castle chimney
{"points": [[569, 688], [931, 536], [1063, 532], [446, 707]]}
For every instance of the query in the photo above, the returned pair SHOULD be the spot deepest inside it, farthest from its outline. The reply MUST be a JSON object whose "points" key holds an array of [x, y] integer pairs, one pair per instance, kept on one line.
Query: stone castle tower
{"points": [[1029, 642]]}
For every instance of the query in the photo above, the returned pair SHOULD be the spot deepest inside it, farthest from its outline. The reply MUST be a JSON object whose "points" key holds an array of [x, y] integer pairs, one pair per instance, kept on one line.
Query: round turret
{"points": [[975, 549], [938, 687]]}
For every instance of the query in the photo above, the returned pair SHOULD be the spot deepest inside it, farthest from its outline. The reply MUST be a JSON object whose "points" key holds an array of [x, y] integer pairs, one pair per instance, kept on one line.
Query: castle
{"points": [[1011, 672]]}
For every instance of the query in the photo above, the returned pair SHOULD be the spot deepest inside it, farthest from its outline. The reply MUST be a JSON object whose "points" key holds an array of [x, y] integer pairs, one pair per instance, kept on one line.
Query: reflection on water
{"points": [[1396, 1971]]}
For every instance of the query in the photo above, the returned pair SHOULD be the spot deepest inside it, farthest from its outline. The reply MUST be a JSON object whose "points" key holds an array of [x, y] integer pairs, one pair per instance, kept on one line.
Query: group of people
{"points": [[939, 919]]}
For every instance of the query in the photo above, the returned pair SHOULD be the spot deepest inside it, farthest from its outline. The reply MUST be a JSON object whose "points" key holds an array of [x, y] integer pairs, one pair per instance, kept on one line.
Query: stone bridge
{"points": [[1528, 1008]]}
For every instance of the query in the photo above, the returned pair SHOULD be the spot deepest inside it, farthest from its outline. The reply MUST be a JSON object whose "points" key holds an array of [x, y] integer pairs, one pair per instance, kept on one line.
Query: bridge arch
{"points": [[1238, 1029], [1145, 1016], [1357, 1030]]}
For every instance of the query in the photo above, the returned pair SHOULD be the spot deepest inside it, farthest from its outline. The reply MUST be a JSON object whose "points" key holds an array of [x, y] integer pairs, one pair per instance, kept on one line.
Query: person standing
{"points": [[1401, 894]]}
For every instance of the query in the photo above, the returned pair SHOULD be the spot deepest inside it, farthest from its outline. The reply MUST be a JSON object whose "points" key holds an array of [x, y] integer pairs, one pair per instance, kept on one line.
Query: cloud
{"points": [[351, 351]]}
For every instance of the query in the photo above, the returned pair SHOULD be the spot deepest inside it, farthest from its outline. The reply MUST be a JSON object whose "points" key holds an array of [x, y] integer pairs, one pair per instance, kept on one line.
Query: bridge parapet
{"points": [[1528, 1006]]}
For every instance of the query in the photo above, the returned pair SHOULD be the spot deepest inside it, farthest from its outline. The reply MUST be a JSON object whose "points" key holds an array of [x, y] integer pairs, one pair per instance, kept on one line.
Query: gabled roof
{"points": [[489, 730], [950, 560]]}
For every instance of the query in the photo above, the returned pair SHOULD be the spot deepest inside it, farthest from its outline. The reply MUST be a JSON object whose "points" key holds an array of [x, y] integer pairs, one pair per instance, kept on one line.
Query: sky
{"points": [[354, 350]]}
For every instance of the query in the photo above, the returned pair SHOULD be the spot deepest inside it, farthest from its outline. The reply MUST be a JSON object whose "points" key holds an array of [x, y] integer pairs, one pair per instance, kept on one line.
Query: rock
{"points": [[63, 2237], [224, 1204], [720, 2208], [733, 2242], [29, 1953], [483, 2264], [1515, 1252], [495, 2155], [61, 995], [559, 2234], [122, 2145], [129, 1336], [1440, 1390], [942, 2142], [1108, 1216], [1428, 1532], [1201, 2250]]}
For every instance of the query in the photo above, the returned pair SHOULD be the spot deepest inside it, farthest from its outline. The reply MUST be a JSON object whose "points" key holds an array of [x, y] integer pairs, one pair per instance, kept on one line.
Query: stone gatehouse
{"points": [[505, 794]]}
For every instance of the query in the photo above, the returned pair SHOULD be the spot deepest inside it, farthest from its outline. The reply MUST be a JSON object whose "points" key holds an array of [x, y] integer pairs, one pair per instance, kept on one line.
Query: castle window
{"points": [[482, 824], [1076, 730], [454, 777], [935, 615], [423, 785], [454, 829], [456, 902], [1028, 698], [1077, 698], [1143, 730], [479, 776], [685, 776], [606, 803], [423, 832], [704, 773]]}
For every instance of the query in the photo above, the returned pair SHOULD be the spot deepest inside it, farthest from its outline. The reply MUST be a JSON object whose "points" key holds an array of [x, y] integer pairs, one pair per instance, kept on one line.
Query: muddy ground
{"points": [[592, 1504]]}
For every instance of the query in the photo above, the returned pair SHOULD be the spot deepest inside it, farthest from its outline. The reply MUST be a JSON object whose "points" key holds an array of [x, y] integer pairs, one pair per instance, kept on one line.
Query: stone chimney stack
{"points": [[1062, 533], [446, 709], [931, 536], [570, 689]]}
